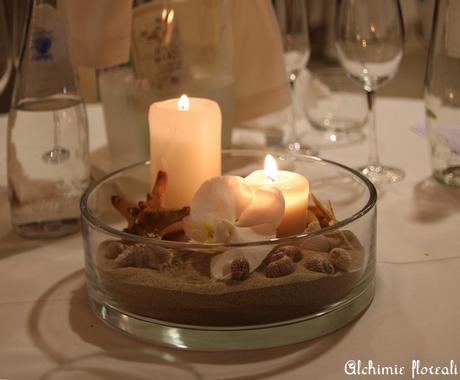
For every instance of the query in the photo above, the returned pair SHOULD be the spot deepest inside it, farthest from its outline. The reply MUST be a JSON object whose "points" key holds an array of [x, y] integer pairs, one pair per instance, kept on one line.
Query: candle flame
{"points": [[184, 103], [270, 167]]}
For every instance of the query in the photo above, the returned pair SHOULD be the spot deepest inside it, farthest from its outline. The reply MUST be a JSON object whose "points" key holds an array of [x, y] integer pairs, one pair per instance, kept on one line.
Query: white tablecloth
{"points": [[45, 320]]}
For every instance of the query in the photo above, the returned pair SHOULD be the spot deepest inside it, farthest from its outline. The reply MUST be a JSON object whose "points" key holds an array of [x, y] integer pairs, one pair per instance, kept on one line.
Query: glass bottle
{"points": [[442, 93], [48, 162], [177, 47]]}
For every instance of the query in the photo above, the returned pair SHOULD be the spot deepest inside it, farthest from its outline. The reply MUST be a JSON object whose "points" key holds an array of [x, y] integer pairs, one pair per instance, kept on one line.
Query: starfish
{"points": [[150, 217]]}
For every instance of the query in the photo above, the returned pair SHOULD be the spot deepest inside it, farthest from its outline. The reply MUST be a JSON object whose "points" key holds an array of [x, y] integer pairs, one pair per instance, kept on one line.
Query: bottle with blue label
{"points": [[48, 161]]}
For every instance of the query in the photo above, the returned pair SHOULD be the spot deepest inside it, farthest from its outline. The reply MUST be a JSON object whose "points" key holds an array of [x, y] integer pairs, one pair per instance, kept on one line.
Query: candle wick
{"points": [[271, 179]]}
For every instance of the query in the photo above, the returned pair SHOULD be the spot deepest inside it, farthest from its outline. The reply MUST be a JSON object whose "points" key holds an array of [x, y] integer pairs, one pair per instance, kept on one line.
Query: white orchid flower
{"points": [[226, 210]]}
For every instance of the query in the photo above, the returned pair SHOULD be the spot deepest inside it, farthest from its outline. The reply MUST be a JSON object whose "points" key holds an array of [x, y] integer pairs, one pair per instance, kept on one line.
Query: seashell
{"points": [[352, 240], [239, 269], [338, 239], [145, 256], [275, 255], [112, 248], [313, 226], [324, 214], [311, 217], [319, 264], [340, 258], [125, 258], [279, 268], [291, 251], [317, 243]]}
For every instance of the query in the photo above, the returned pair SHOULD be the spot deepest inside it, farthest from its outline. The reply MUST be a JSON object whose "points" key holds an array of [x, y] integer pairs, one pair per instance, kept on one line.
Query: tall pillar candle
{"points": [[185, 142]]}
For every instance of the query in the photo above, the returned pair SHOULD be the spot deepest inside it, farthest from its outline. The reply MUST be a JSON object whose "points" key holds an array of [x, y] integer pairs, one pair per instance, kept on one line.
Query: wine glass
{"points": [[369, 40], [292, 21]]}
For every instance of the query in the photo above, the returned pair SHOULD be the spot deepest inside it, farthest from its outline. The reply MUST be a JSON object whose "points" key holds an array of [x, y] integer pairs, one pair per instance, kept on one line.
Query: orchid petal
{"points": [[226, 210], [227, 232], [198, 230], [254, 233], [224, 197], [224, 231], [267, 206], [220, 264]]}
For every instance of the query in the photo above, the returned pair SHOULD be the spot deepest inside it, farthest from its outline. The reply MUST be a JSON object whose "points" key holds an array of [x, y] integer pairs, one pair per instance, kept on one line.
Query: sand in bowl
{"points": [[179, 288]]}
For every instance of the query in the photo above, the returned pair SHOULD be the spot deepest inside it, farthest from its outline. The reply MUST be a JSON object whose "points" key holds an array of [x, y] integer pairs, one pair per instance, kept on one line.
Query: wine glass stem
{"points": [[292, 116], [57, 131], [373, 159]]}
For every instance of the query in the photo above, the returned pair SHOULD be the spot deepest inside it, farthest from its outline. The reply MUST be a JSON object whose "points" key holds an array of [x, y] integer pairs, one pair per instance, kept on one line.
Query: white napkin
{"points": [[450, 135]]}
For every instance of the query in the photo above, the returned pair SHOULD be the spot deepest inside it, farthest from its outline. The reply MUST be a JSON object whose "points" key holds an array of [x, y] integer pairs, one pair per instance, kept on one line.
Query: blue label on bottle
{"points": [[42, 40]]}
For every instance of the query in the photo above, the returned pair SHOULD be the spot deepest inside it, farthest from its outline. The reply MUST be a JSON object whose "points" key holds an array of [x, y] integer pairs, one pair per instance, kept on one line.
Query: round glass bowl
{"points": [[176, 303]]}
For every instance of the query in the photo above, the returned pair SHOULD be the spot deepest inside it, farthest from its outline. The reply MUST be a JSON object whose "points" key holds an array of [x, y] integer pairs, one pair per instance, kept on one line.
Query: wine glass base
{"points": [[379, 174]]}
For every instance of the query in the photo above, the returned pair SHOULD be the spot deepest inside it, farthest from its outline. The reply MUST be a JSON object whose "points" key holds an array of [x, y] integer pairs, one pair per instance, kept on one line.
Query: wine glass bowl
{"points": [[370, 42], [292, 21], [371, 75]]}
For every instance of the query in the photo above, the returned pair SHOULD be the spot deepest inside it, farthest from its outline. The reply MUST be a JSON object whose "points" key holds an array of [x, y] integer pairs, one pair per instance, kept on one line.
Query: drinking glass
{"points": [[369, 40], [335, 106], [292, 21]]}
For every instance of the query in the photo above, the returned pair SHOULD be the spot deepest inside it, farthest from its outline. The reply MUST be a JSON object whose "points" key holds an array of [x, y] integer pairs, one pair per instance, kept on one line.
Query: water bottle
{"points": [[48, 162]]}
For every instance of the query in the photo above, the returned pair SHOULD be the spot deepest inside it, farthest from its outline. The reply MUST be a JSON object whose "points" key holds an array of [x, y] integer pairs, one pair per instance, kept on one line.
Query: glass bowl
{"points": [[178, 304]]}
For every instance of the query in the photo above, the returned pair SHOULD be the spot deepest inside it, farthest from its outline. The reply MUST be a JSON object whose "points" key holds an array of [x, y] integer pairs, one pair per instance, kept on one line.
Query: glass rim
{"points": [[97, 224]]}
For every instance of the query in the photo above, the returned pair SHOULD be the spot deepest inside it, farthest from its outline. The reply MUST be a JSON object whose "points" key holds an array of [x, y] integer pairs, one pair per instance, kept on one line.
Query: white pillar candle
{"points": [[185, 142], [295, 189]]}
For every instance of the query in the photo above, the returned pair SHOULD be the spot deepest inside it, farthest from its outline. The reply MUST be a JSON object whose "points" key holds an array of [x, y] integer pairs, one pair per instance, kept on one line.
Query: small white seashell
{"points": [[341, 259], [339, 239], [317, 243], [112, 248], [144, 256], [291, 251]]}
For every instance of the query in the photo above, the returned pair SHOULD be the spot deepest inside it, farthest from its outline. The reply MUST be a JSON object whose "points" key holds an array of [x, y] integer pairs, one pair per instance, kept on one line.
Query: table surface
{"points": [[46, 321]]}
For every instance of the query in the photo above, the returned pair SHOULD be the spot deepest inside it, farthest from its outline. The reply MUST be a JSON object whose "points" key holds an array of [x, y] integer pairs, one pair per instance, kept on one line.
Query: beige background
{"points": [[407, 83]]}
